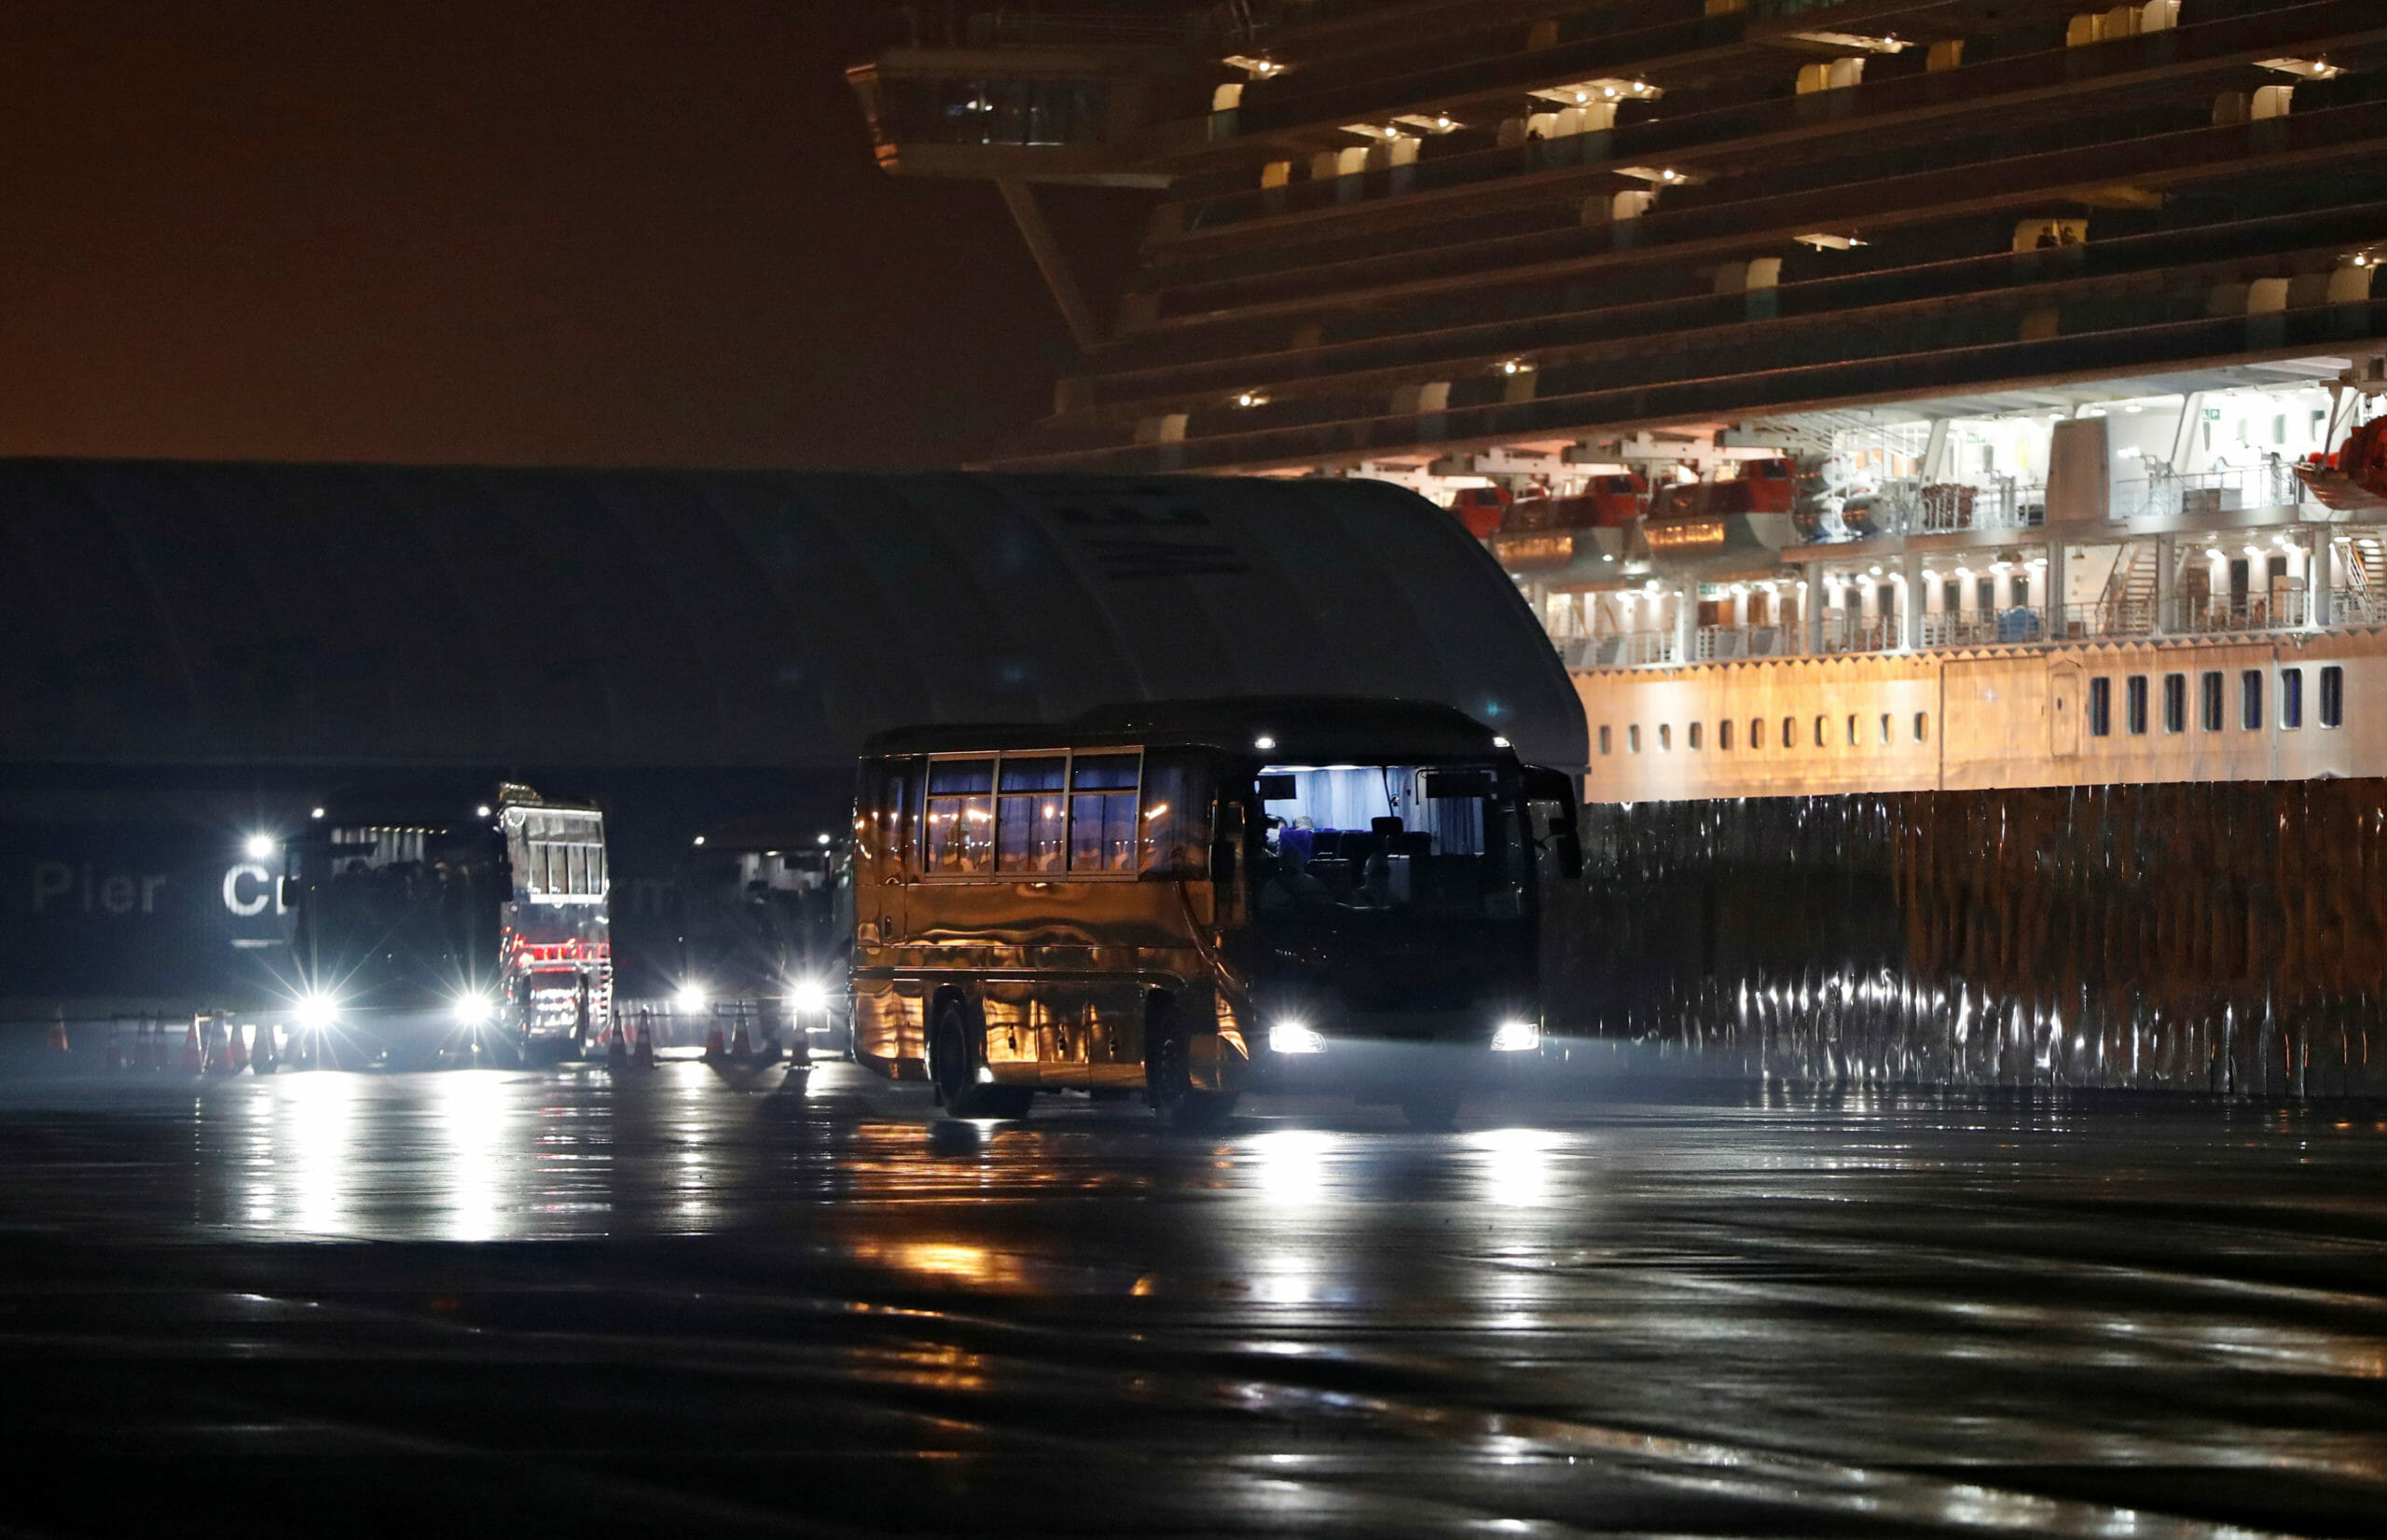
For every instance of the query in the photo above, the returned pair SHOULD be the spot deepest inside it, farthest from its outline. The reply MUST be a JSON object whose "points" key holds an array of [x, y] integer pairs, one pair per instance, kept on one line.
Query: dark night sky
{"points": [[584, 231]]}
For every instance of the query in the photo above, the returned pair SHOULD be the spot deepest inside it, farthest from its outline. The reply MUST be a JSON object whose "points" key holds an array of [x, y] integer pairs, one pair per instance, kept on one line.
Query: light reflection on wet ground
{"points": [[705, 1301]]}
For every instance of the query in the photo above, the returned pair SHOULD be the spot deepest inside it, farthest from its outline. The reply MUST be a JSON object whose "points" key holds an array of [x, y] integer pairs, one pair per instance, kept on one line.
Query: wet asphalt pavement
{"points": [[481, 1303]]}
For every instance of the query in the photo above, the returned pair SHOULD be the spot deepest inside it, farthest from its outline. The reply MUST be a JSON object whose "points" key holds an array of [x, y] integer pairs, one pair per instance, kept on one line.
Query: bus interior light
{"points": [[1293, 1037], [1518, 1037]]}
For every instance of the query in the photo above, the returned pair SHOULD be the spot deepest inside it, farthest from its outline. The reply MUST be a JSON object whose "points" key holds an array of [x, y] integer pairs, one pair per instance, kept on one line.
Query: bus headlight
{"points": [[473, 1010], [315, 1012], [1291, 1037], [1516, 1036], [809, 998]]}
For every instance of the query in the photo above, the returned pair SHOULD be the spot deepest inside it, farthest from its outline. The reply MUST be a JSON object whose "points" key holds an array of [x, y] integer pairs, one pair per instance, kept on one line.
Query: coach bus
{"points": [[1188, 900], [418, 936]]}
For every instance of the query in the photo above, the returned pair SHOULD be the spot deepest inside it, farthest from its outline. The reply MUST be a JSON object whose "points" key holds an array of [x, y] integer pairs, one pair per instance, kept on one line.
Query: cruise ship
{"points": [[1920, 425]]}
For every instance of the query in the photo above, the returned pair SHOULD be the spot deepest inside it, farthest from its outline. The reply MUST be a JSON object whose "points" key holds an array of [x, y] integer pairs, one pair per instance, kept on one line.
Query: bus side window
{"points": [[2333, 696], [961, 818], [1102, 812], [1174, 841]]}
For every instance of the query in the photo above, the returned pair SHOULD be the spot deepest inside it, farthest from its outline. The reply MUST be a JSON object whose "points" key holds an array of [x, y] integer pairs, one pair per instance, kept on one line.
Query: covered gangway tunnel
{"points": [[159, 612]]}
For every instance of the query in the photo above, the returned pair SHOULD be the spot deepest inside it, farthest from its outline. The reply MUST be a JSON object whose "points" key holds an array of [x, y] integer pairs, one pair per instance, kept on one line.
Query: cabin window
{"points": [[2175, 703], [2291, 699], [1724, 735], [1923, 727], [961, 818], [2250, 700], [2211, 702], [1633, 740], [1790, 732], [1852, 729], [1820, 730], [2134, 705], [1695, 731], [1102, 812], [1665, 738], [1757, 732], [2333, 696], [1607, 740], [2101, 706], [1886, 727]]}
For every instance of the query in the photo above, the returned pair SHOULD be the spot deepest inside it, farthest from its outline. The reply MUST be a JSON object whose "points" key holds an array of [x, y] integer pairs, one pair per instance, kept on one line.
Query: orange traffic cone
{"points": [[262, 1058], [58, 1044], [194, 1053], [236, 1049], [739, 1047], [617, 1050], [645, 1056], [713, 1050]]}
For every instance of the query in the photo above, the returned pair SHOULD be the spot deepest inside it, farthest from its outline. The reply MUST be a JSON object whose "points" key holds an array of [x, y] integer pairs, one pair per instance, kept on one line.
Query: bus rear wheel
{"points": [[1169, 1076], [954, 1072]]}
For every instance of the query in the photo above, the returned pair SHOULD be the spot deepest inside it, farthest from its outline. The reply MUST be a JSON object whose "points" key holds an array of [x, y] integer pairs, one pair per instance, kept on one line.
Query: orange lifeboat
{"points": [[1482, 509], [2355, 477]]}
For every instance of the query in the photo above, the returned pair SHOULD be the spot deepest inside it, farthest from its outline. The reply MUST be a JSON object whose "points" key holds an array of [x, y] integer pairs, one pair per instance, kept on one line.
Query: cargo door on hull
{"points": [[2063, 710]]}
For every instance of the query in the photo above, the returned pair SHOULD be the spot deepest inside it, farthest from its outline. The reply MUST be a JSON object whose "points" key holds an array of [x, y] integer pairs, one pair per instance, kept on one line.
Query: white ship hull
{"points": [[1991, 718]]}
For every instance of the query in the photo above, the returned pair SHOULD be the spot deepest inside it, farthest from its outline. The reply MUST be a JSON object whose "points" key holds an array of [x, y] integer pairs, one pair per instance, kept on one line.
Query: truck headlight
{"points": [[809, 998], [473, 1010], [1516, 1036], [315, 1012], [1291, 1037]]}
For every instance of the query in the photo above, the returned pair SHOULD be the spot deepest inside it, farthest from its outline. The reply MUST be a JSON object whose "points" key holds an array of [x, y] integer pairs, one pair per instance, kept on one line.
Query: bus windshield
{"points": [[1435, 840], [402, 906]]}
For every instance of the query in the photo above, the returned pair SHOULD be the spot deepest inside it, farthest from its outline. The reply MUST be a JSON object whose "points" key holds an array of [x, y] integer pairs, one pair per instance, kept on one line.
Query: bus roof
{"points": [[1298, 729]]}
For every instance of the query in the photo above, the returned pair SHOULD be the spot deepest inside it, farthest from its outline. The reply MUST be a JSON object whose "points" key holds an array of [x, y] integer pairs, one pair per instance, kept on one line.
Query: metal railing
{"points": [[2357, 607], [2280, 612], [1846, 631], [1907, 505], [2014, 626], [1712, 643], [2117, 617], [2163, 495], [1627, 650]]}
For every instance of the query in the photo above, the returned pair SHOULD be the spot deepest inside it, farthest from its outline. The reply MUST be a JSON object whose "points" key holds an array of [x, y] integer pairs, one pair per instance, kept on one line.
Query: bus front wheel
{"points": [[954, 1072]]}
